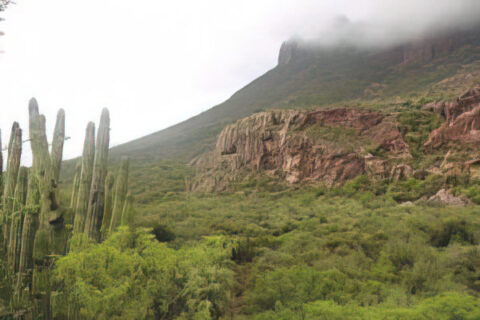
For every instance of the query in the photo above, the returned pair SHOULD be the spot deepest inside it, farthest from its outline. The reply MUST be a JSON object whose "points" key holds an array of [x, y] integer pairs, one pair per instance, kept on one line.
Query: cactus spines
{"points": [[14, 244], [13, 165], [107, 211], [96, 202], [85, 181], [57, 143], [121, 188]]}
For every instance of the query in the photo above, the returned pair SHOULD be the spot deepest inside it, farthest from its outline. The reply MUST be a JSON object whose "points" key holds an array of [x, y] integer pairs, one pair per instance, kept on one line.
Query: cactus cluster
{"points": [[32, 221], [99, 199]]}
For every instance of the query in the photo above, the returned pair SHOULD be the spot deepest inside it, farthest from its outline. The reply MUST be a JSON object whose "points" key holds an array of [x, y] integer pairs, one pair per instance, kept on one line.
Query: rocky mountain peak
{"points": [[419, 50], [288, 51]]}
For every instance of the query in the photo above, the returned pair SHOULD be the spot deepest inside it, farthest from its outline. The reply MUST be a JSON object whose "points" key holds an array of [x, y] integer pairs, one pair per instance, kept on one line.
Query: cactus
{"points": [[30, 226], [32, 220], [75, 186], [107, 213], [17, 220], [57, 144], [50, 218], [13, 165], [85, 181], [121, 188], [127, 210], [96, 202]]}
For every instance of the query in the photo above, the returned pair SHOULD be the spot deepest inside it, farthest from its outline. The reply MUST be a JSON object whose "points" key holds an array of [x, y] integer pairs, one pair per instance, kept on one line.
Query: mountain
{"points": [[308, 75]]}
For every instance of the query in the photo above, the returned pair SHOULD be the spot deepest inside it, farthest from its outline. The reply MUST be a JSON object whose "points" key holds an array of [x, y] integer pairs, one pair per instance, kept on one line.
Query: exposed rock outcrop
{"points": [[445, 197], [465, 129], [462, 125], [287, 52], [329, 146], [453, 109]]}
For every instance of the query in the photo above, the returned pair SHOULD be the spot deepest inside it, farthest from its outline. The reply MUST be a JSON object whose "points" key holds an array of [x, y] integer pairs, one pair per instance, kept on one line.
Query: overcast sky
{"points": [[155, 63]]}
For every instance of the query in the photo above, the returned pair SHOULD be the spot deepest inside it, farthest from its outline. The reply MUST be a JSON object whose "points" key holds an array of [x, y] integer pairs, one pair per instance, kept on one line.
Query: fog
{"points": [[156, 63]]}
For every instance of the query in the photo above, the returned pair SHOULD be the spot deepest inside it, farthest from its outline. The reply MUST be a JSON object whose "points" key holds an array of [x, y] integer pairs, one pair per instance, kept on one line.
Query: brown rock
{"points": [[465, 129], [401, 171], [324, 146], [473, 169], [375, 167], [453, 109], [445, 197]]}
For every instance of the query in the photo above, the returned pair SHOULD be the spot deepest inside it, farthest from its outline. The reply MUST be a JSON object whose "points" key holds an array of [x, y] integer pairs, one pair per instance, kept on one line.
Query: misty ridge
{"points": [[390, 25]]}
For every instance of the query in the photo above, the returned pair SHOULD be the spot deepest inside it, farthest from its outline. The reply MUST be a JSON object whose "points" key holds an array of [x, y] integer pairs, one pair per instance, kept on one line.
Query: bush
{"points": [[451, 229], [132, 276], [163, 233]]}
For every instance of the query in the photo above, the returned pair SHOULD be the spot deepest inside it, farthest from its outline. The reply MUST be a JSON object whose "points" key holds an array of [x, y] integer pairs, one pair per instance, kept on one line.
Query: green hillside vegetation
{"points": [[267, 251]]}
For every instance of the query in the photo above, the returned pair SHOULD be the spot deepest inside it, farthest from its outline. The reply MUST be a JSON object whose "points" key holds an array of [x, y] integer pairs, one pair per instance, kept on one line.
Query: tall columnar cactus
{"points": [[13, 165], [57, 144], [30, 226], [14, 243], [50, 215], [107, 212], [96, 202], [121, 189], [75, 186], [127, 210], [85, 180]]}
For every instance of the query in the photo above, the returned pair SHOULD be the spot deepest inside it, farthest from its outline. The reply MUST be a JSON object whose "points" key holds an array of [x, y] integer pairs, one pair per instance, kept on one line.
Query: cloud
{"points": [[386, 22]]}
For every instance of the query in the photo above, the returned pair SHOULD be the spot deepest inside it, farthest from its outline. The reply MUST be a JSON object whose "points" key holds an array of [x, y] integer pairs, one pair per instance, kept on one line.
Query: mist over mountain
{"points": [[386, 23]]}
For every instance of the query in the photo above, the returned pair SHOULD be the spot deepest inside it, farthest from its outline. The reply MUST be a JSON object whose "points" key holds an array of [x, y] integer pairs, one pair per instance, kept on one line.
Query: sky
{"points": [[156, 63]]}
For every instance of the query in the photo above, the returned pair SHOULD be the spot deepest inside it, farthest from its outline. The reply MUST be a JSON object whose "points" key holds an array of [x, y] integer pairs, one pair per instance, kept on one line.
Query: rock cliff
{"points": [[332, 146], [462, 121], [328, 146]]}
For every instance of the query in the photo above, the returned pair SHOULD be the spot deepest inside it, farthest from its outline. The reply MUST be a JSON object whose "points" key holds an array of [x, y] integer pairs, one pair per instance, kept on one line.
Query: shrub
{"points": [[163, 233], [451, 228]]}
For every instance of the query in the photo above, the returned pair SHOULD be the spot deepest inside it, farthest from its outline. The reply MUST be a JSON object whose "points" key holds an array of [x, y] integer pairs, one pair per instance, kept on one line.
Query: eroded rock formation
{"points": [[329, 146], [462, 121]]}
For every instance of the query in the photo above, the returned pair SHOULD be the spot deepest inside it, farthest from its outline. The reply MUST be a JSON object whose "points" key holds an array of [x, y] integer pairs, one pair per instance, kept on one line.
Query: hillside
{"points": [[437, 68]]}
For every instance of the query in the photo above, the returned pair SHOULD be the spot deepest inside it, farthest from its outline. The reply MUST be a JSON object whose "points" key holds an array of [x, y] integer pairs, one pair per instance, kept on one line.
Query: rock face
{"points": [[329, 146], [462, 125], [287, 52], [445, 197]]}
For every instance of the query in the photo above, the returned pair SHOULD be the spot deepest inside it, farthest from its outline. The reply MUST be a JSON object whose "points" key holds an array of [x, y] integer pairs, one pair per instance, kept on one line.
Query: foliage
{"points": [[133, 276]]}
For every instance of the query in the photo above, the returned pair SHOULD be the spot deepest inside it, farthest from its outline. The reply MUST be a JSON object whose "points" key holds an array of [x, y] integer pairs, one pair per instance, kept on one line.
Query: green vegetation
{"points": [[349, 252], [416, 126], [133, 276]]}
